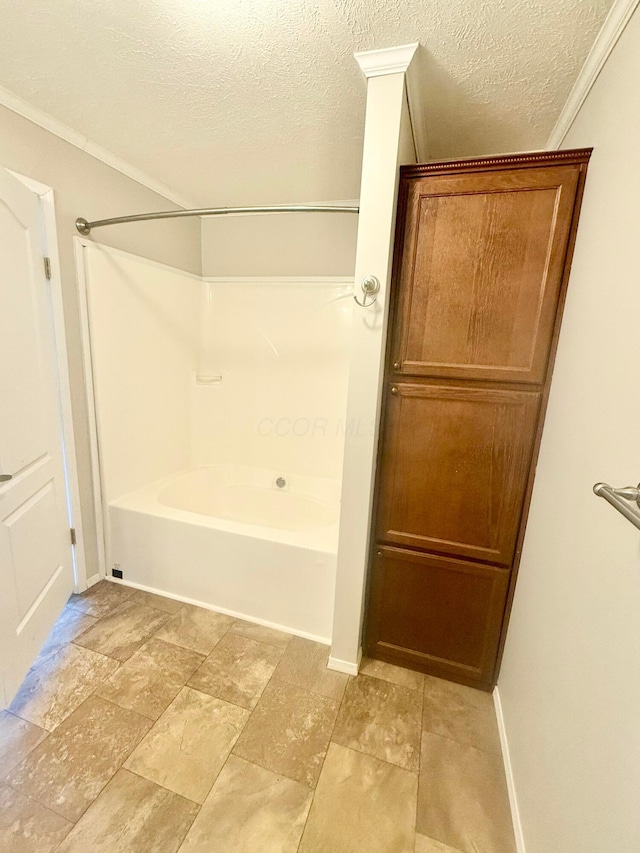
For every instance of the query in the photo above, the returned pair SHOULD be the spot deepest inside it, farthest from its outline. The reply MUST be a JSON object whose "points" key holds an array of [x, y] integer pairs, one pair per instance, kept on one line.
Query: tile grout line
{"points": [[211, 696], [266, 642], [206, 658], [317, 693], [196, 651], [279, 773], [75, 640], [463, 743], [74, 822], [186, 684], [5, 781], [85, 649], [22, 720], [426, 730], [450, 849], [273, 677], [270, 769], [52, 731], [155, 722], [93, 694], [330, 741], [122, 708], [253, 761], [123, 760], [85, 597], [270, 679], [162, 787], [150, 781], [377, 757], [139, 646], [231, 751]]}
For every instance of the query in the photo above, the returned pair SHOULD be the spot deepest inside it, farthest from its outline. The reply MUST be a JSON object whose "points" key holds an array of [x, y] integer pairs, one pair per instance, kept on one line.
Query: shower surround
{"points": [[209, 393]]}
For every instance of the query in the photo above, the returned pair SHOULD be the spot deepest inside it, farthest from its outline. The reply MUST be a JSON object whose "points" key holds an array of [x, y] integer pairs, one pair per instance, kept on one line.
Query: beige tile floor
{"points": [[148, 726]]}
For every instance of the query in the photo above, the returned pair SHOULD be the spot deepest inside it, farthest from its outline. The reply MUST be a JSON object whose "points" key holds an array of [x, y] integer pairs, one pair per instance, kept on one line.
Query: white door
{"points": [[36, 575]]}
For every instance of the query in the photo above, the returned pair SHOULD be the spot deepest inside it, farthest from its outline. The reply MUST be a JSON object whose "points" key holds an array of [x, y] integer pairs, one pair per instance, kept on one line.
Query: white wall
{"points": [[282, 348], [143, 322], [282, 245], [388, 144], [570, 680], [86, 187]]}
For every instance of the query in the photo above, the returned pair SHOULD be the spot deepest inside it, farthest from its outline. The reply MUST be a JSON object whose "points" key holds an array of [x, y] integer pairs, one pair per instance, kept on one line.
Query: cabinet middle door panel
{"points": [[455, 463], [481, 270]]}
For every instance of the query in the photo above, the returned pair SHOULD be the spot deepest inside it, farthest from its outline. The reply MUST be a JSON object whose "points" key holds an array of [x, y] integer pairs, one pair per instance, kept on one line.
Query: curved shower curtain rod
{"points": [[85, 227]]}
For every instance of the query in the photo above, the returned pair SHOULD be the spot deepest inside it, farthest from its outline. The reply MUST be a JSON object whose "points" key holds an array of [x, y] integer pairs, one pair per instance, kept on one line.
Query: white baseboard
{"points": [[513, 800], [345, 665], [93, 580]]}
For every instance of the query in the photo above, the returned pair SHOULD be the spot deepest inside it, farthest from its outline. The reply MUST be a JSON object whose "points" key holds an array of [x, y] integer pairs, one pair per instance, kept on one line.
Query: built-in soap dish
{"points": [[208, 380]]}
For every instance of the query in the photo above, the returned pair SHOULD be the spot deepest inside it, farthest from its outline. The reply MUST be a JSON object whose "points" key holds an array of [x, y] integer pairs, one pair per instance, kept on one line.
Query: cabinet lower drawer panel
{"points": [[438, 614]]}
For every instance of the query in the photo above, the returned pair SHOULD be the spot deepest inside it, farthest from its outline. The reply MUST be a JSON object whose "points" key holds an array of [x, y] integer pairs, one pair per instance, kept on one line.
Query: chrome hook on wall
{"points": [[370, 287]]}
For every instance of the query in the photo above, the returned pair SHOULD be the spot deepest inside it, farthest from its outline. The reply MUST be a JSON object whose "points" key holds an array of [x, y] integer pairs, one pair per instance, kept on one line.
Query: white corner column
{"points": [[388, 144]]}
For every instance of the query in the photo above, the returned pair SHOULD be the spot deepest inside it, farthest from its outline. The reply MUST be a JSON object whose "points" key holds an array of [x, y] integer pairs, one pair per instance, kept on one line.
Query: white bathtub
{"points": [[227, 537]]}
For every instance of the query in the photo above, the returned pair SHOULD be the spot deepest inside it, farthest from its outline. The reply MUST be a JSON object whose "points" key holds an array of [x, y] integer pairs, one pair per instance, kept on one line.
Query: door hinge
{"points": [[47, 267], [72, 531]]}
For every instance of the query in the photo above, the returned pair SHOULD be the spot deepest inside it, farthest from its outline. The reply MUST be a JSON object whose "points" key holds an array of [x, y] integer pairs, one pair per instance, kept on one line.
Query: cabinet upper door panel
{"points": [[480, 272], [454, 469]]}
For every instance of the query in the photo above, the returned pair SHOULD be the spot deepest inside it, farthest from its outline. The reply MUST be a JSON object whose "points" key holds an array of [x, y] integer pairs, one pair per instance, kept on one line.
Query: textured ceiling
{"points": [[254, 101]]}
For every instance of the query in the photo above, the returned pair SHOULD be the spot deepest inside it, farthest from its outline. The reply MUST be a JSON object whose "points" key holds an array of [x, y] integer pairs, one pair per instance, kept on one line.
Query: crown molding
{"points": [[73, 137], [401, 60], [388, 60], [613, 27]]}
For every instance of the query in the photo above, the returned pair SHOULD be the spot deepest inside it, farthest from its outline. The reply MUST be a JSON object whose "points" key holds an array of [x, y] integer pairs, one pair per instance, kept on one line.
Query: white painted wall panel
{"points": [[282, 245], [570, 681]]}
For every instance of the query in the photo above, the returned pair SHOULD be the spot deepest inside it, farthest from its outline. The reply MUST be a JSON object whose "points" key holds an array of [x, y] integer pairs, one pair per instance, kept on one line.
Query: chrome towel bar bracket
{"points": [[620, 499]]}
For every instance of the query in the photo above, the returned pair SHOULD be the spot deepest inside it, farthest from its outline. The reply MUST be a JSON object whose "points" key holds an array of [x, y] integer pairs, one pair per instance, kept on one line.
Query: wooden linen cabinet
{"points": [[482, 258]]}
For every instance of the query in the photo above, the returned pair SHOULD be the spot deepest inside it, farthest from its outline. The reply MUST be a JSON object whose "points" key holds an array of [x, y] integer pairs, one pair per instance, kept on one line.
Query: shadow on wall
{"points": [[464, 122], [299, 244]]}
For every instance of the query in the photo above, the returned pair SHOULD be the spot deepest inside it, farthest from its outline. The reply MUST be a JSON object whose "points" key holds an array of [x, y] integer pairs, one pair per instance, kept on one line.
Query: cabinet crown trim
{"points": [[542, 158]]}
